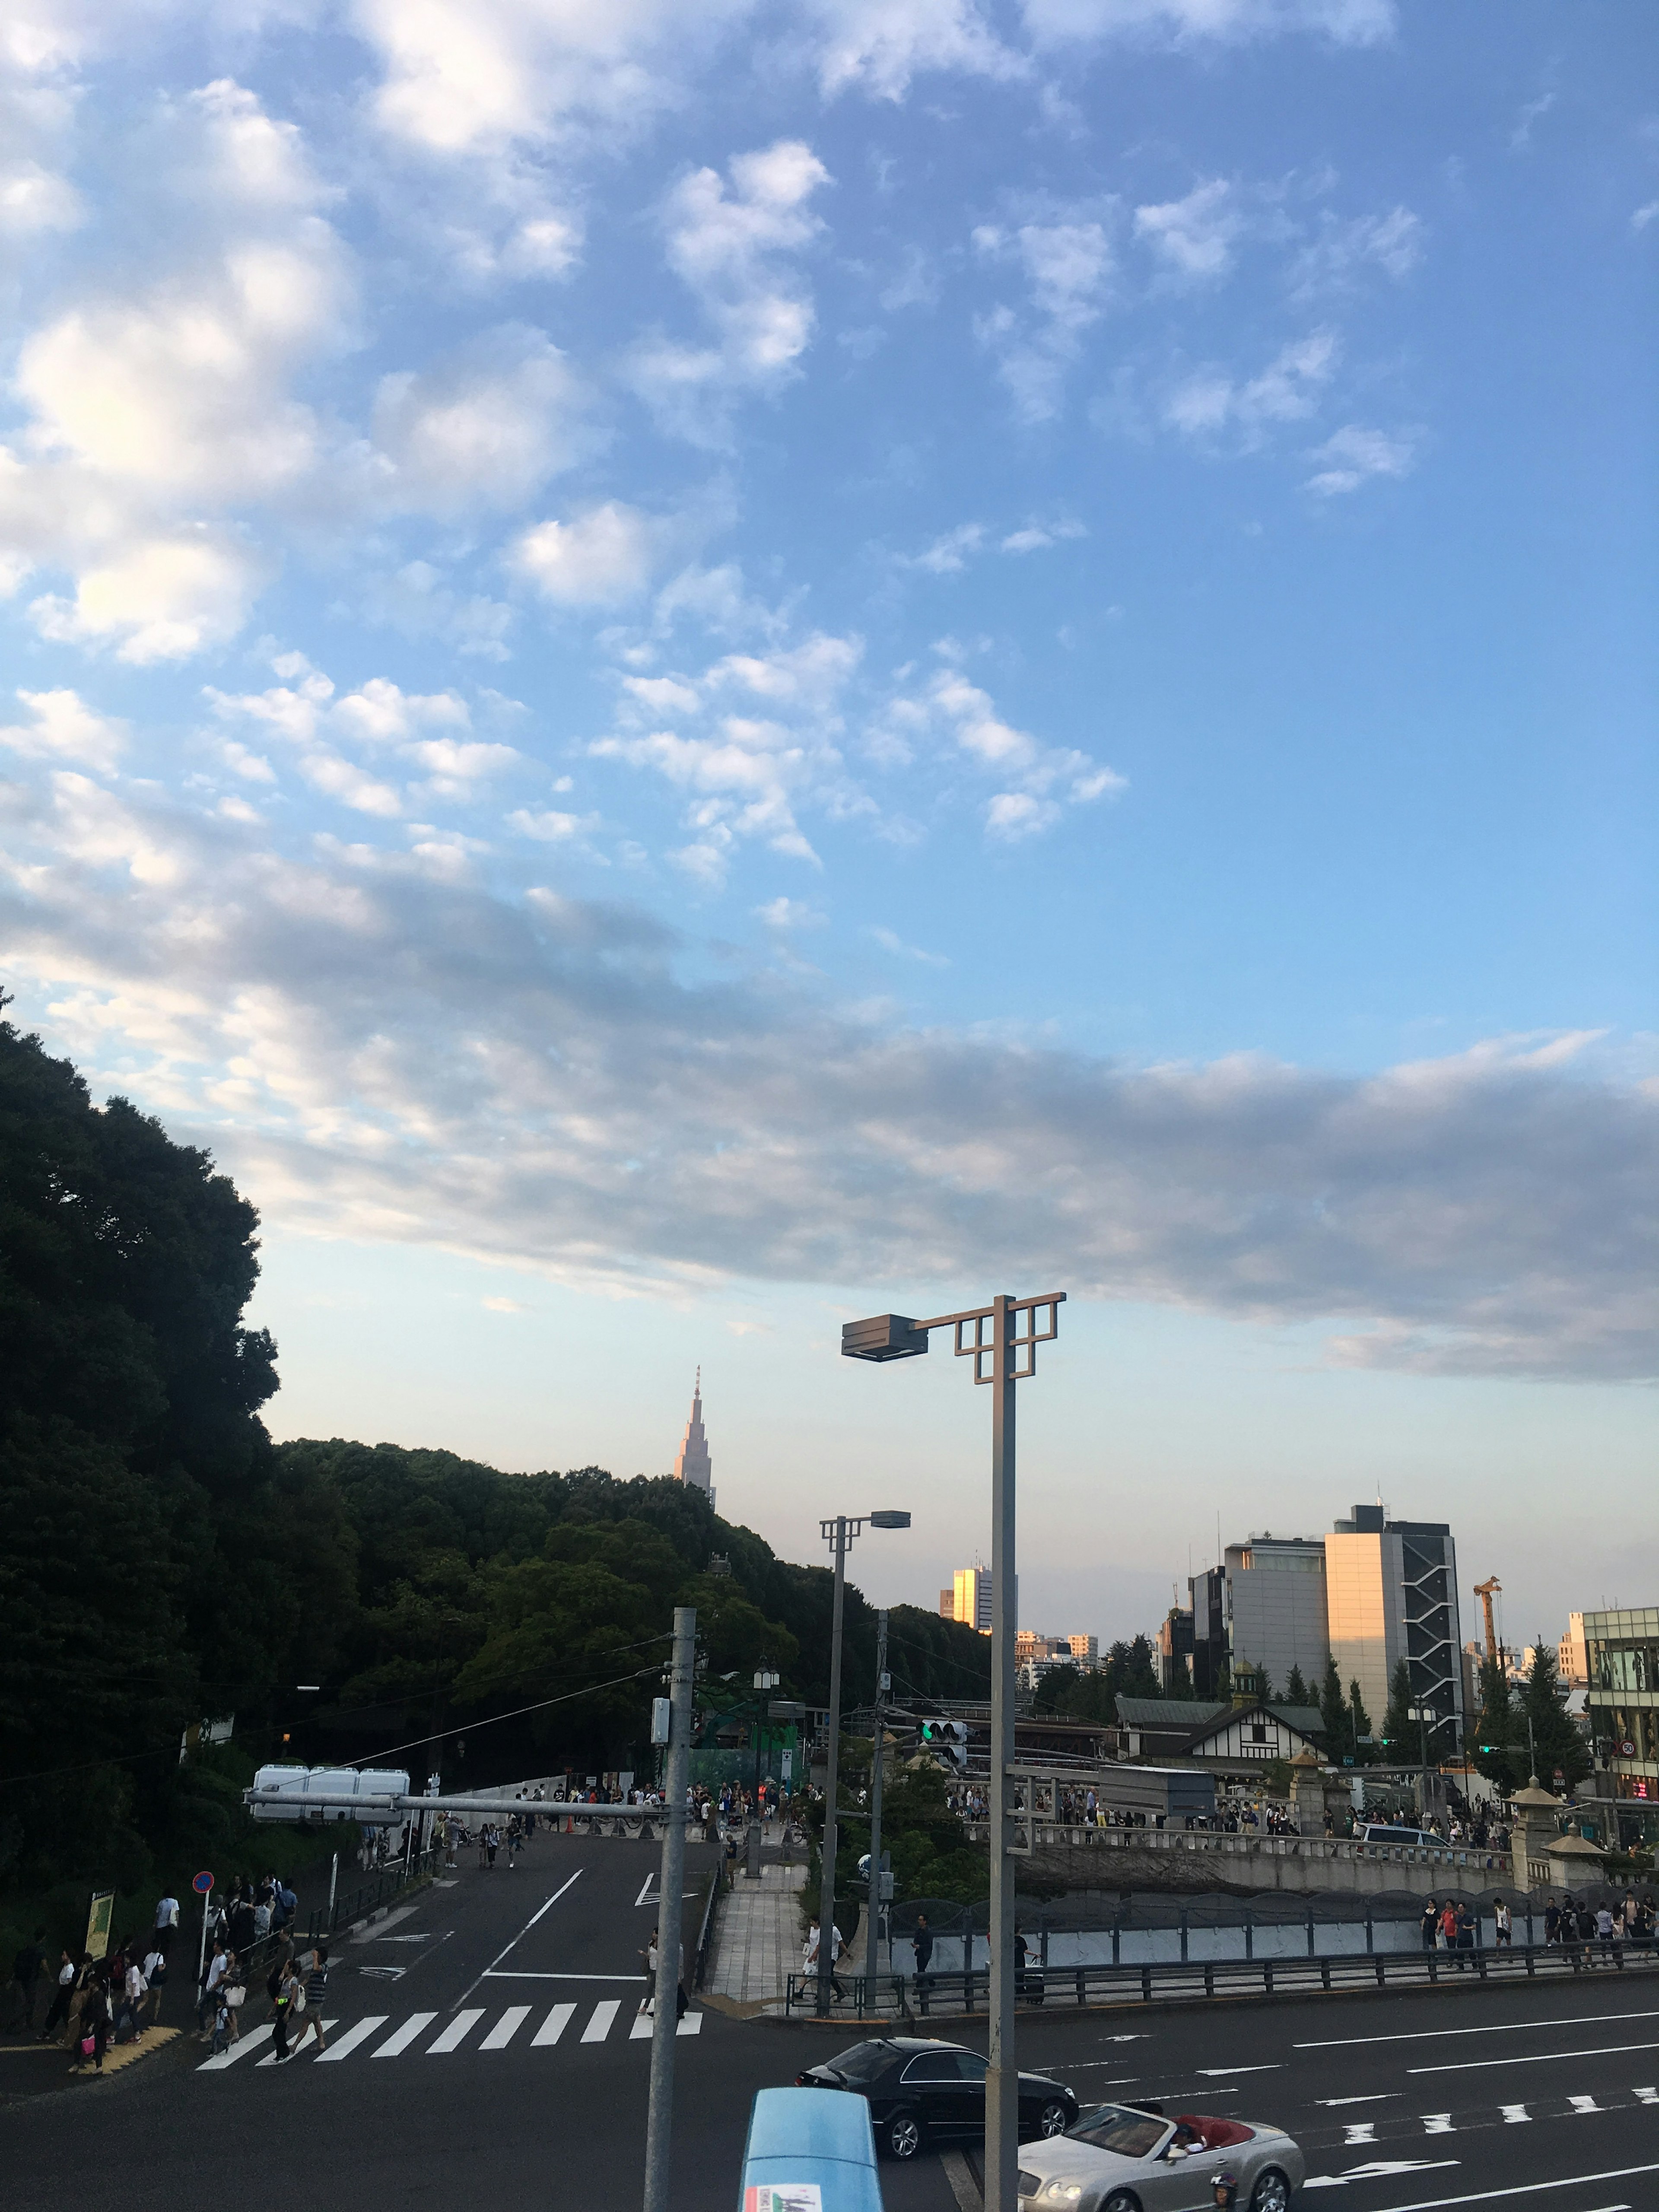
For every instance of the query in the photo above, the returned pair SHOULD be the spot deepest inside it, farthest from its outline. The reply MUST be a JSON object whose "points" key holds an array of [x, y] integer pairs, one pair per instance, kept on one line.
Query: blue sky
{"points": [[676, 685]]}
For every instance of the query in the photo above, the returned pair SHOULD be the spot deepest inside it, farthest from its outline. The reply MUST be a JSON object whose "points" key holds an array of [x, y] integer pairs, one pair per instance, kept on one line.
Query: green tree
{"points": [[1359, 1726], [1336, 1720], [1297, 1692], [1399, 1730], [1560, 1749], [1499, 1749]]}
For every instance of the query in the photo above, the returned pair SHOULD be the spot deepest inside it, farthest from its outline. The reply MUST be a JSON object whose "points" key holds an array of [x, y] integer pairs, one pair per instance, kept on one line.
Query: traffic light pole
{"points": [[873, 1902], [659, 2122], [836, 1530]]}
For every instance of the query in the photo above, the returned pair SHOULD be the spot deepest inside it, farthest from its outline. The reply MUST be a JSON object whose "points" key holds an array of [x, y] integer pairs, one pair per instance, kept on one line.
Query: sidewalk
{"points": [[758, 1936]]}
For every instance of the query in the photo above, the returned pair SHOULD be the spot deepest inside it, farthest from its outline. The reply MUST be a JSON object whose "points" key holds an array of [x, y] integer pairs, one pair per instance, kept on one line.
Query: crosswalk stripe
{"points": [[1437, 2124], [359, 2032], [506, 2028], [1646, 2096], [400, 2037], [1514, 2114], [644, 2025], [238, 2049], [553, 2027], [605, 2014], [1584, 2104], [1359, 2131], [456, 2034], [691, 2024], [273, 2060]]}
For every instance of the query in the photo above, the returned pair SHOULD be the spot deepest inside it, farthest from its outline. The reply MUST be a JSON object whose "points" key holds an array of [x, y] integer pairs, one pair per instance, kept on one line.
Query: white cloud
{"points": [[1644, 214], [1194, 237], [1039, 779], [34, 201], [549, 826], [1210, 403], [388, 1030], [790, 914], [1391, 242], [890, 941], [161, 599], [879, 46], [486, 428], [1354, 455], [1037, 537], [948, 554], [1068, 266], [1532, 114], [63, 727], [602, 557], [1191, 22], [729, 241]]}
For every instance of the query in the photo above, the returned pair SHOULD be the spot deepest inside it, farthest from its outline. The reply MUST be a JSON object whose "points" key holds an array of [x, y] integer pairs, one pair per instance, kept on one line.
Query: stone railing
{"points": [[1292, 1862]]}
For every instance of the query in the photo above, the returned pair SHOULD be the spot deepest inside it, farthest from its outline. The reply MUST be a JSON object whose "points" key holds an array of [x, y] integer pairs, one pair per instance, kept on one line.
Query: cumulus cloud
{"points": [[730, 240], [1340, 250], [1194, 237], [1038, 781], [1066, 263], [157, 598], [603, 556], [367, 1047], [1355, 455], [1211, 403], [484, 429], [62, 726], [880, 46]]}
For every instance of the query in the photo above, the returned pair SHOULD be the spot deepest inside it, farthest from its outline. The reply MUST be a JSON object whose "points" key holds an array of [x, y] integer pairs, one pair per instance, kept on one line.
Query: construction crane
{"points": [[1484, 1592]]}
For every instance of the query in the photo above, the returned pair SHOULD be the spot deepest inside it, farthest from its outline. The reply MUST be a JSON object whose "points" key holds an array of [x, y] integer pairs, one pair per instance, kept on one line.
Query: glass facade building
{"points": [[1621, 1651], [1391, 1594]]}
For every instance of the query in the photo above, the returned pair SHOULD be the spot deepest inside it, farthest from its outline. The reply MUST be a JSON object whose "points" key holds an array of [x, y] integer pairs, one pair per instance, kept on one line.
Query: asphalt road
{"points": [[500, 2065]]}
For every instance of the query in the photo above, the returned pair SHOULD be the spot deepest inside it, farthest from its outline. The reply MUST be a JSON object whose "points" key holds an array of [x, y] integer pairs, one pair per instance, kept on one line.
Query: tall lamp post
{"points": [[839, 1534], [1001, 1340]]}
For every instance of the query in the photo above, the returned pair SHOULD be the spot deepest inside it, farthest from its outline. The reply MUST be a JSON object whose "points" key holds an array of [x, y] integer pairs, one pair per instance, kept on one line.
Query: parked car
{"points": [[799, 2144], [1383, 1831], [1130, 2158], [921, 2091]]}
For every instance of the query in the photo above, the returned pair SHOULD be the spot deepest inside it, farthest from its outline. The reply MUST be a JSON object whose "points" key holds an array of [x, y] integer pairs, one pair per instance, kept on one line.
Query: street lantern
{"points": [[1001, 1340], [839, 1534]]}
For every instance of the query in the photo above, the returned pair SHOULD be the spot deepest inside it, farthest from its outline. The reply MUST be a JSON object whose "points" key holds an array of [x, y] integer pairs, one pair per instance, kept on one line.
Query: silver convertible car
{"points": [[1127, 2158]]}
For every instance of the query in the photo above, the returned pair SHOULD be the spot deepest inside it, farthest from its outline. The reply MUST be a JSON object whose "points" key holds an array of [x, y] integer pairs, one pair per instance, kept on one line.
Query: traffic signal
{"points": [[947, 1740]]}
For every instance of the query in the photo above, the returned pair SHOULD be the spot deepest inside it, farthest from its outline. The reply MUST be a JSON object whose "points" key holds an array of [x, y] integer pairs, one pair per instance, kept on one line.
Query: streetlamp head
{"points": [[884, 1336], [890, 1520]]}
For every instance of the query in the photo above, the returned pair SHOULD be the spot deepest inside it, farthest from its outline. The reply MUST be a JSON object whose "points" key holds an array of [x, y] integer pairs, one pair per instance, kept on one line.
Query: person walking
{"points": [[921, 1942], [155, 1973], [648, 2002], [1503, 1923], [93, 2038], [316, 1989], [492, 1844], [166, 1921], [62, 1996], [134, 1989], [1429, 1923], [282, 2005], [218, 1967], [836, 1947]]}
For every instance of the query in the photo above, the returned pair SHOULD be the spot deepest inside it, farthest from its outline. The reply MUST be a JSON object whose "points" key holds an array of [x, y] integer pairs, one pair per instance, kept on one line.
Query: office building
{"points": [[1274, 1608], [1085, 1649], [1572, 1657], [1622, 1656], [693, 1464], [1211, 1660], [1391, 1594], [1173, 1654], [971, 1599]]}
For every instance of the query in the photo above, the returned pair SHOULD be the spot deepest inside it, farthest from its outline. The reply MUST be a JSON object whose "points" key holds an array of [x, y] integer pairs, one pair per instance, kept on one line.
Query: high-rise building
{"points": [[693, 1464], [1622, 1651], [1173, 1655], [1275, 1607], [1572, 1654], [1210, 1657], [1391, 1594], [1085, 1649], [971, 1598]]}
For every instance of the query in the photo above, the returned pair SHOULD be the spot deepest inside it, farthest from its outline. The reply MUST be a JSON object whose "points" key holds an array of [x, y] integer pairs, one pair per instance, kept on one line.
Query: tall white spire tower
{"points": [[693, 1465]]}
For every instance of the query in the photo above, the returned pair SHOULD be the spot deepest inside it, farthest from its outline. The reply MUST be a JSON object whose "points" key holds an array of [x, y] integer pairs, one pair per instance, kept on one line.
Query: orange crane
{"points": [[1484, 1592]]}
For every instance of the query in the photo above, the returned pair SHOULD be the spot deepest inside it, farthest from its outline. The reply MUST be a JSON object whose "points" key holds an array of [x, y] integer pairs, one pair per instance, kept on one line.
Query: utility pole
{"points": [[1002, 2079], [836, 1532], [874, 1900], [660, 2124]]}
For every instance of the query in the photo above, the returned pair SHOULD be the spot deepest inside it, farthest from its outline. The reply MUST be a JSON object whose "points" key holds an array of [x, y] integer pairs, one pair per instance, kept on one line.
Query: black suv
{"points": [[919, 2091]]}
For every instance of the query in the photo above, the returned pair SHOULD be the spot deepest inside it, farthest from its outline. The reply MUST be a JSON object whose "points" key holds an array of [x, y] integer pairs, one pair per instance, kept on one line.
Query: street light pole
{"points": [[839, 1534], [1003, 1352], [873, 1897], [659, 2124]]}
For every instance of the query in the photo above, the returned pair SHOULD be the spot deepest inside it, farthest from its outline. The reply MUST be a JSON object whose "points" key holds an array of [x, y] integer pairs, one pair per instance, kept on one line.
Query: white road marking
{"points": [[273, 2060], [605, 2014], [1584, 2104], [523, 1974], [1359, 2131], [546, 1907], [456, 2034], [1646, 2096], [1379, 2169], [1530, 2189], [644, 2025], [506, 2028], [1532, 2059], [1439, 2123], [1378, 2097], [691, 2024], [553, 2027], [1226, 2073], [400, 2037], [1514, 2115], [644, 1897], [238, 2049], [359, 2032], [1504, 2027]]}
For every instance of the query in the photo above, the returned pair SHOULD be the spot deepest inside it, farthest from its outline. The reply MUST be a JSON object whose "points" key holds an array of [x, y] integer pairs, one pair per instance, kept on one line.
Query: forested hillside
{"points": [[162, 1561]]}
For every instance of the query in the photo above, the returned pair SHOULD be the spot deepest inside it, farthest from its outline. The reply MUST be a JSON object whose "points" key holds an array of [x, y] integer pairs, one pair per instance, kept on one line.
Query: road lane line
{"points": [[1358, 2131], [1439, 2123], [546, 1907], [400, 2037], [1503, 2028], [553, 2027], [1646, 2096], [1514, 2115], [456, 2034], [1584, 2104], [1532, 2059], [359, 2032], [524, 1974], [238, 2049], [1226, 2073], [604, 2013], [1378, 2169], [1530, 2189], [1378, 2097], [644, 1897], [506, 2028]]}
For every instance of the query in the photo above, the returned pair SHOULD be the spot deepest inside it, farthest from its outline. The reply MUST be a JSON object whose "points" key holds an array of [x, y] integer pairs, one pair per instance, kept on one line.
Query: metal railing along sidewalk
{"points": [[959, 1993]]}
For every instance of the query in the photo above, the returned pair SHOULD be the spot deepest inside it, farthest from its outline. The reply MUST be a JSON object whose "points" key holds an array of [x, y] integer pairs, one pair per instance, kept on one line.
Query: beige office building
{"points": [[1391, 1594], [969, 1599]]}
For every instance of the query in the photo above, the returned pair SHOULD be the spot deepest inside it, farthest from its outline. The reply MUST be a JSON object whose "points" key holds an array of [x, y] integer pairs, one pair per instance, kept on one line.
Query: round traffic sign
{"points": [[1627, 1751], [203, 1883]]}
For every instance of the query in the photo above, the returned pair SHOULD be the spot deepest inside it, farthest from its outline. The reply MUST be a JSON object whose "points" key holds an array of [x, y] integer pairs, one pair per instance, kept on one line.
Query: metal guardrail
{"points": [[963, 1992], [1241, 1845], [350, 1906]]}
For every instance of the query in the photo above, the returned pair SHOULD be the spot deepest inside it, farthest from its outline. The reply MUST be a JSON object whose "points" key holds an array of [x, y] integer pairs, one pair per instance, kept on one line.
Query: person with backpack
{"points": [[316, 1989], [156, 1974], [95, 2028], [288, 2001]]}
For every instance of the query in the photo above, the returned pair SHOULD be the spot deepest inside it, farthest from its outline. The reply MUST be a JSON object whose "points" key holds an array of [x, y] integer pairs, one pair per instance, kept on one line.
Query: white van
{"points": [[1378, 1831]]}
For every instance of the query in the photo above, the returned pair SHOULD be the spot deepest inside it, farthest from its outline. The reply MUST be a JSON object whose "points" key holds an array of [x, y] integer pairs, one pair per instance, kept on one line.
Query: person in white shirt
{"points": [[134, 1990], [218, 1967]]}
